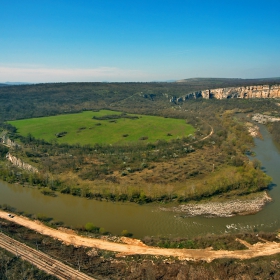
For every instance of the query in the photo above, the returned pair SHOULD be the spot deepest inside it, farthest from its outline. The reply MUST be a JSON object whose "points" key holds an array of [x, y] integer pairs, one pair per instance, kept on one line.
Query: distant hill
{"points": [[37, 100], [13, 84], [207, 83], [16, 83]]}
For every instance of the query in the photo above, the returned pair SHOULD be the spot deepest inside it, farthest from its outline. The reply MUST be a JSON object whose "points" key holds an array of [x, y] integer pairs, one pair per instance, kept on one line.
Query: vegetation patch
{"points": [[61, 134], [102, 157], [106, 127]]}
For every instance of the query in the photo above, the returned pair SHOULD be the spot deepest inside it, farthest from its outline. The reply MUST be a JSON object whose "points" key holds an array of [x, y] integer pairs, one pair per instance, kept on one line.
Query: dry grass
{"points": [[179, 175]]}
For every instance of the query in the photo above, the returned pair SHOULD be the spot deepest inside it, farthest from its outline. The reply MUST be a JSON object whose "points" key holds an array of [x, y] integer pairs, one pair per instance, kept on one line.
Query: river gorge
{"points": [[149, 219]]}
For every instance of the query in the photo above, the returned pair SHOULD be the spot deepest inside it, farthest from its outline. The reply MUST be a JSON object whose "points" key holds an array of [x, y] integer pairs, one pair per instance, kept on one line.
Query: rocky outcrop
{"points": [[19, 163], [193, 95], [263, 91], [259, 91], [253, 130], [260, 118], [4, 139], [223, 209]]}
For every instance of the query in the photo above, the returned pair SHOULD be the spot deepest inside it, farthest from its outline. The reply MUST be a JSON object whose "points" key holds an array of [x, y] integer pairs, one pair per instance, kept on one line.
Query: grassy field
{"points": [[83, 129]]}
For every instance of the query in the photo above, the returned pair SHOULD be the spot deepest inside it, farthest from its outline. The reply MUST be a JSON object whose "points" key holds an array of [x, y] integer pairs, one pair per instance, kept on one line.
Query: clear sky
{"points": [[121, 40]]}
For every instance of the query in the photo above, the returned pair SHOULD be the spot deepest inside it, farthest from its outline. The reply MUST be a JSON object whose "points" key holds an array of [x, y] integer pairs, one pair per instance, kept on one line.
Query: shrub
{"points": [[76, 191], [43, 218], [61, 134], [3, 151], [66, 190], [91, 227], [143, 138], [126, 233], [48, 192], [102, 231]]}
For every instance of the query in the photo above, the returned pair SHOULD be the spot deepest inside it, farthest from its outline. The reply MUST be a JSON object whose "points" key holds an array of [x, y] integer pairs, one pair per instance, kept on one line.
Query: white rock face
{"points": [[260, 118], [19, 163], [263, 91], [7, 141]]}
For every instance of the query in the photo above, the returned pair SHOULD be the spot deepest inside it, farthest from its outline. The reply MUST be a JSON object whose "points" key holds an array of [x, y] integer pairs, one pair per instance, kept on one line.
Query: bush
{"points": [[76, 191], [61, 134], [126, 233], [3, 151], [102, 231], [256, 163], [65, 190], [43, 218], [143, 138], [237, 161], [48, 192], [91, 227]]}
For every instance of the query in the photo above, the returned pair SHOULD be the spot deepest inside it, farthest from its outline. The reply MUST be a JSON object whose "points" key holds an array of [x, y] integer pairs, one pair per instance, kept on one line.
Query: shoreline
{"points": [[136, 247], [222, 209]]}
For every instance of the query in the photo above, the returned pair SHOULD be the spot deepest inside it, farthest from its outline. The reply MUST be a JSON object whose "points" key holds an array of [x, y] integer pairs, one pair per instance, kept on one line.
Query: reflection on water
{"points": [[148, 219]]}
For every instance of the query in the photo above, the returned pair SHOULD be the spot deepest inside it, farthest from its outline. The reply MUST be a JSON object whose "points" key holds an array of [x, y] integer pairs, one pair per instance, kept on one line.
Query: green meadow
{"points": [[83, 129]]}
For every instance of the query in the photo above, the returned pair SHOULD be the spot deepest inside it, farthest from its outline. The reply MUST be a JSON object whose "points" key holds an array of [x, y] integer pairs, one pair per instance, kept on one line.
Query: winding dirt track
{"points": [[207, 136], [134, 246]]}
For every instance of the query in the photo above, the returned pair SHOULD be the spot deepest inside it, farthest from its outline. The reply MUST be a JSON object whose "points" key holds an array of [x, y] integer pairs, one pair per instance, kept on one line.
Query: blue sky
{"points": [[64, 41]]}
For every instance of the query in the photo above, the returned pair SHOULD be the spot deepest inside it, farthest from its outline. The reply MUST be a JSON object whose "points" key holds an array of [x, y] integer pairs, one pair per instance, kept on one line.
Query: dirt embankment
{"points": [[256, 250]]}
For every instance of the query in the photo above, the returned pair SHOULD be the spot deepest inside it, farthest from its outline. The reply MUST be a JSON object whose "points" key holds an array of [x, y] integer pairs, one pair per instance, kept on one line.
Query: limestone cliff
{"points": [[19, 163], [263, 91]]}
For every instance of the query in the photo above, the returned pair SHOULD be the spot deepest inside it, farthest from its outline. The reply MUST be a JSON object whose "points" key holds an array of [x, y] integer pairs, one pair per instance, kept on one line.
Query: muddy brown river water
{"points": [[144, 220]]}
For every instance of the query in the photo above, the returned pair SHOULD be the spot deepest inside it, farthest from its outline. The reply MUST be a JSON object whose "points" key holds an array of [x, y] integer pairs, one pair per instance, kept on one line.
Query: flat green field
{"points": [[83, 129]]}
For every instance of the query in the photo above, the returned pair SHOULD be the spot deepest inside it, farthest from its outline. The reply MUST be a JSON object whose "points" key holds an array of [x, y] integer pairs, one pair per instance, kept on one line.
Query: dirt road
{"points": [[137, 247]]}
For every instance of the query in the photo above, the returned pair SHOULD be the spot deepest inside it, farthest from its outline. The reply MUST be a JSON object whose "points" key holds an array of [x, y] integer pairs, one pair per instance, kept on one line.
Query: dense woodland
{"points": [[27, 101], [181, 169]]}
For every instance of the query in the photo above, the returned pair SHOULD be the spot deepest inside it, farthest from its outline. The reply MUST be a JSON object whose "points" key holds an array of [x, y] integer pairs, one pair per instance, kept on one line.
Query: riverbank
{"points": [[222, 209], [253, 130], [263, 248], [263, 119]]}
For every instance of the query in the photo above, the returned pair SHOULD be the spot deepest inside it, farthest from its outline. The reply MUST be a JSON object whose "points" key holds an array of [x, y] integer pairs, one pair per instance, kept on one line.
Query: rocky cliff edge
{"points": [[259, 91]]}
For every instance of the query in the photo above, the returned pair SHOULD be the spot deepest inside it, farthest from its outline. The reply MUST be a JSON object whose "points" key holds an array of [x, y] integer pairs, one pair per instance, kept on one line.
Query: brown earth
{"points": [[135, 247]]}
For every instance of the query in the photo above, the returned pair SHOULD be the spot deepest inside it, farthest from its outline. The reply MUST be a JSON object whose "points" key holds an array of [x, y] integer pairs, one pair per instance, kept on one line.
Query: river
{"points": [[143, 220]]}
